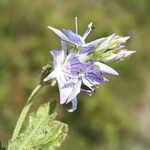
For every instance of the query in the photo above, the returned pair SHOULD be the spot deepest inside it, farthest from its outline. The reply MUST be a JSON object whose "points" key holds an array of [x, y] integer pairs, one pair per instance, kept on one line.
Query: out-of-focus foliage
{"points": [[1, 147], [42, 132], [117, 115]]}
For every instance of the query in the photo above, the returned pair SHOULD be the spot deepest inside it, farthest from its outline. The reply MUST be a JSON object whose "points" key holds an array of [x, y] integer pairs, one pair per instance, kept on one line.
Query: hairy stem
{"points": [[24, 112]]}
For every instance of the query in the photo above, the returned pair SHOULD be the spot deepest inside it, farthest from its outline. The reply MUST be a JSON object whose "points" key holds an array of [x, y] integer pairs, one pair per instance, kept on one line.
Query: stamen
{"points": [[76, 24], [86, 91], [89, 29]]}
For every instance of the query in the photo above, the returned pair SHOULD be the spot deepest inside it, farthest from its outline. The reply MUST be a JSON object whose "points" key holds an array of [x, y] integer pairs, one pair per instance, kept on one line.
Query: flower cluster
{"points": [[82, 67]]}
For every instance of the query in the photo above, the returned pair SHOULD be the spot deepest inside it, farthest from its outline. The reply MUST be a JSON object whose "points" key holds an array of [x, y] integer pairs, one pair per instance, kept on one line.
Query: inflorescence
{"points": [[82, 67]]}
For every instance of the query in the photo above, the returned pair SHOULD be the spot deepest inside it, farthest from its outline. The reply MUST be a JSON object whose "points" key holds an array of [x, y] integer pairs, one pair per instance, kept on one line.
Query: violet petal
{"points": [[74, 105]]}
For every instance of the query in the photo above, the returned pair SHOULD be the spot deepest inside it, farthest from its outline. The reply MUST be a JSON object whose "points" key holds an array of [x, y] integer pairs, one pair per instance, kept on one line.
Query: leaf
{"points": [[41, 133]]}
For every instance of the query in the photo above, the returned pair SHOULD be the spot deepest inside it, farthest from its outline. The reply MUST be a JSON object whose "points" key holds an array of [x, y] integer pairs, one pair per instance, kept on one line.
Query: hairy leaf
{"points": [[43, 132]]}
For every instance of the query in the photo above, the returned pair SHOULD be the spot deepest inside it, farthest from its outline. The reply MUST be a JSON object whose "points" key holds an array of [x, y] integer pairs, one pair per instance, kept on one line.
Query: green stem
{"points": [[24, 112]]}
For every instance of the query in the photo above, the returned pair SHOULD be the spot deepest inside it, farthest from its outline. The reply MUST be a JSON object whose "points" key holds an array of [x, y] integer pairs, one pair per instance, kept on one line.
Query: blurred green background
{"points": [[117, 116]]}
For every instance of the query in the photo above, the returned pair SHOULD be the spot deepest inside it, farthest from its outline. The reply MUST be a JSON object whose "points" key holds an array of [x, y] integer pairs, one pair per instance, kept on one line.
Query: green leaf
{"points": [[43, 132]]}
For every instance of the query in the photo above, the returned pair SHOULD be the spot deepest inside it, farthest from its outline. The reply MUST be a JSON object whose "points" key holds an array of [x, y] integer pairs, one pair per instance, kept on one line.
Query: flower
{"points": [[83, 67], [65, 71], [70, 74]]}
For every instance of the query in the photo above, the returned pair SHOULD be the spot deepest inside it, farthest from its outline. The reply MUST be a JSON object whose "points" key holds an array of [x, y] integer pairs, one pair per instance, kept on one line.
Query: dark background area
{"points": [[117, 116]]}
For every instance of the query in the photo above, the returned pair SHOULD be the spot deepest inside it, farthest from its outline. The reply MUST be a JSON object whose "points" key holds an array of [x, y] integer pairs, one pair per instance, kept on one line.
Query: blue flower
{"points": [[73, 76], [75, 70], [65, 72]]}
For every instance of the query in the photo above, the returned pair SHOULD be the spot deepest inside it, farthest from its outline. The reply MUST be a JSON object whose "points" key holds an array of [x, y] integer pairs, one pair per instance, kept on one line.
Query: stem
{"points": [[24, 112]]}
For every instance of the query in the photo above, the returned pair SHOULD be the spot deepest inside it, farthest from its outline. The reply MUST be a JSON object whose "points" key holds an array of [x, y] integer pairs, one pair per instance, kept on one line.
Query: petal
{"points": [[93, 43], [85, 50], [65, 91], [106, 43], [121, 40], [74, 105], [65, 86], [72, 64], [106, 69], [76, 91], [59, 33], [110, 58], [94, 78], [124, 53], [58, 57], [105, 79], [88, 66], [52, 75], [88, 83], [73, 37]]}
